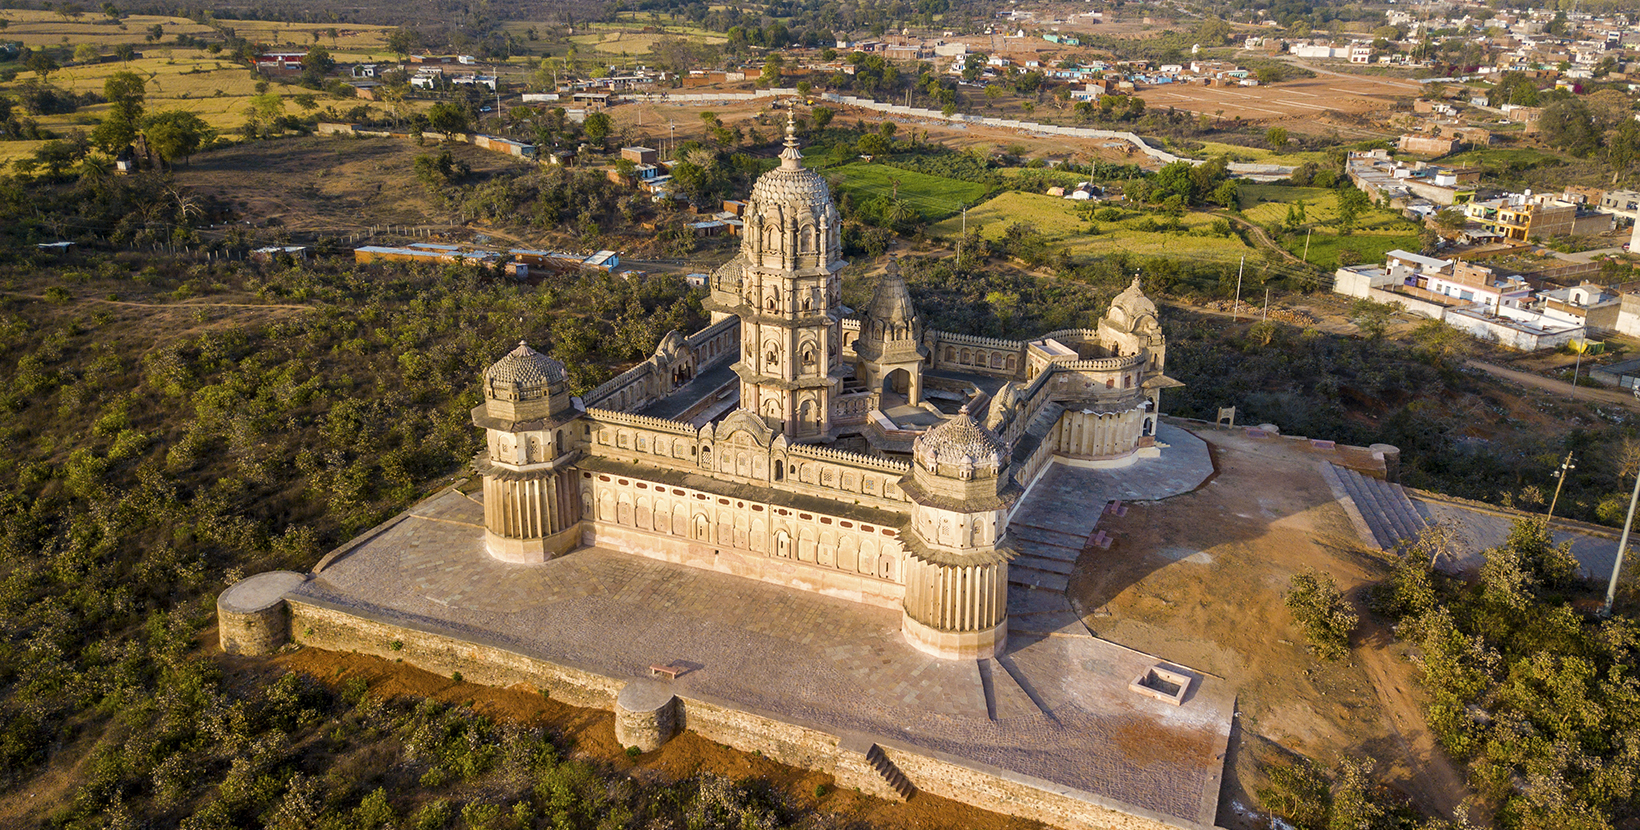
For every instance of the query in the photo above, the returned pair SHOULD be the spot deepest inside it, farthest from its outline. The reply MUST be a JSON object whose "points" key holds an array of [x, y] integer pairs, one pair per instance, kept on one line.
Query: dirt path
{"points": [[1437, 782], [1262, 238], [1561, 387]]}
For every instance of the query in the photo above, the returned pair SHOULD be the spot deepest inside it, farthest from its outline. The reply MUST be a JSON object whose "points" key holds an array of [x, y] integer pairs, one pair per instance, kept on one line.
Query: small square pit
{"points": [[1163, 684]]}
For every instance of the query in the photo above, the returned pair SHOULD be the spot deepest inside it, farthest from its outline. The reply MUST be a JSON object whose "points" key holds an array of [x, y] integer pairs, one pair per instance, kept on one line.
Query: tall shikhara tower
{"points": [[784, 287]]}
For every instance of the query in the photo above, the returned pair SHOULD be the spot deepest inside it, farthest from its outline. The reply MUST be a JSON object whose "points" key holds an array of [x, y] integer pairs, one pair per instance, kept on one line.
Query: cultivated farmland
{"points": [[935, 197], [1061, 223]]}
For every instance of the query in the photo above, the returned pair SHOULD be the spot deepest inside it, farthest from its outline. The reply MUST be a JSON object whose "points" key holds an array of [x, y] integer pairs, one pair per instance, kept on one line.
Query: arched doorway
{"points": [[897, 382]]}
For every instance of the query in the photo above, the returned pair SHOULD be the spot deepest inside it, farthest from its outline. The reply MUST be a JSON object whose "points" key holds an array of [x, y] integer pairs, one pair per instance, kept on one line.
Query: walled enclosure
{"points": [[785, 740]]}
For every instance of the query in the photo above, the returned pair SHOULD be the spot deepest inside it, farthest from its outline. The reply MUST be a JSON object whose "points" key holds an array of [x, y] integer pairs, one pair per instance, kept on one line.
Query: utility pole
{"points": [[1622, 545], [1266, 303], [1581, 346], [964, 236], [1560, 474], [1236, 313], [1307, 245]]}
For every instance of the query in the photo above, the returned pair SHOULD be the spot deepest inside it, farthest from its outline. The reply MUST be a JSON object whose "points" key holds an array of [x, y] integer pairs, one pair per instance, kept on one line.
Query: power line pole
{"points": [[1236, 313], [1622, 545], [1307, 245], [1560, 474]]}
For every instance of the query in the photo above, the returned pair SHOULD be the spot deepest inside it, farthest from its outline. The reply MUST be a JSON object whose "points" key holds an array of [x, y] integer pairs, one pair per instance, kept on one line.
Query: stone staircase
{"points": [[1381, 511], [890, 773]]}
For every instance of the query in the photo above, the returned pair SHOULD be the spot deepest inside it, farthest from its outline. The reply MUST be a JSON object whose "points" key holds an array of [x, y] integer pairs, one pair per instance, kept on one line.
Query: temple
{"points": [[864, 457], [843, 540]]}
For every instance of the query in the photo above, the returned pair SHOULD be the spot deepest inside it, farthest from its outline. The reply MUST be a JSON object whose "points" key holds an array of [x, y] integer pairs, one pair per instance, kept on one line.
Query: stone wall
{"points": [[335, 630], [1017, 795], [787, 741]]}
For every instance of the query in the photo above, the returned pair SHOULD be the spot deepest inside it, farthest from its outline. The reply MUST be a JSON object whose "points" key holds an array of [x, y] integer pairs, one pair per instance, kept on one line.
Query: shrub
{"points": [[1319, 608]]}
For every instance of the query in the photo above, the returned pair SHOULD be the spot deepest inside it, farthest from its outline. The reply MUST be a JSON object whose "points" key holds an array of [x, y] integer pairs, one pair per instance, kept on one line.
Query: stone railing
{"points": [[851, 409], [613, 417], [852, 459]]}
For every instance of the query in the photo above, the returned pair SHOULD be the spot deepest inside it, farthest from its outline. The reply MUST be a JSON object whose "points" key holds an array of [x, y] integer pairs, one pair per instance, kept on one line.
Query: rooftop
{"points": [[1055, 711]]}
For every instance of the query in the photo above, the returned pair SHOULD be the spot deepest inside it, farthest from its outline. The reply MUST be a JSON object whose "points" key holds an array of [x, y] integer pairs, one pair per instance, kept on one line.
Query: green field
{"points": [[1254, 155], [1058, 220], [1376, 232], [935, 197]]}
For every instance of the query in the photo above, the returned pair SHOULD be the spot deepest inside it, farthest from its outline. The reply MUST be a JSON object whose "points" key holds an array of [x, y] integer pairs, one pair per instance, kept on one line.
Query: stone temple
{"points": [[818, 525]]}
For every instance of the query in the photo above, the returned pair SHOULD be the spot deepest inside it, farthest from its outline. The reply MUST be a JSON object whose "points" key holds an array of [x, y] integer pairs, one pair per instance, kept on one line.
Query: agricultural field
{"points": [[935, 197], [212, 86], [42, 28], [1060, 221], [1376, 231], [1255, 155]]}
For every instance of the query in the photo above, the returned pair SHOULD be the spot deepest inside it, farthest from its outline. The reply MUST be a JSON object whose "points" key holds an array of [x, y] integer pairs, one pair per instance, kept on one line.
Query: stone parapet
{"points": [[252, 617], [645, 715]]}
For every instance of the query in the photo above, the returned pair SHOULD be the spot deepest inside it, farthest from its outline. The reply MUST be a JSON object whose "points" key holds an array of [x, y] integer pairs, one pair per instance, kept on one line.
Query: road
{"points": [[1559, 387]]}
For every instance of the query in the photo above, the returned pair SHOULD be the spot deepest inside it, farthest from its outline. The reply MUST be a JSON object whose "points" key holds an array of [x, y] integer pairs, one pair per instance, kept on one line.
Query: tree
{"points": [[1450, 221], [1319, 608], [1227, 194], [1609, 109], [403, 41], [156, 33], [176, 134], [598, 127], [125, 92], [873, 144], [822, 117], [262, 114], [1567, 125], [86, 53], [1351, 204], [451, 119], [1277, 136], [40, 62]]}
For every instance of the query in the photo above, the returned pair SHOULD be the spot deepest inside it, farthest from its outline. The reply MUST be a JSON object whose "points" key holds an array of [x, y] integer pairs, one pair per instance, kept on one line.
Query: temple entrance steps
{"points": [[1381, 511], [890, 773]]}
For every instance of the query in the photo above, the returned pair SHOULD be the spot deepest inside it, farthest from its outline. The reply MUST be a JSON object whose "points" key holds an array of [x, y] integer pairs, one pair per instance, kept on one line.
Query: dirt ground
{"points": [[328, 184], [1305, 99], [659, 123], [1208, 594]]}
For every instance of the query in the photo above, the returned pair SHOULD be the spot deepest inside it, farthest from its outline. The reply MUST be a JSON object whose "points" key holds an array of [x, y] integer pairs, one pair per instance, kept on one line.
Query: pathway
{"points": [[1582, 393]]}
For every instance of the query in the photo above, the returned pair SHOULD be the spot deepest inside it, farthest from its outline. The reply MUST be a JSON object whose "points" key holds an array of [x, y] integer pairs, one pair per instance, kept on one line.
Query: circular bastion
{"points": [[252, 618]]}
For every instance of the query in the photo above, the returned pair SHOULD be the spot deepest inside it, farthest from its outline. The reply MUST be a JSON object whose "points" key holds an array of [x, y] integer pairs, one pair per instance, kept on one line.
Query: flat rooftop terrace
{"points": [[1056, 710]]}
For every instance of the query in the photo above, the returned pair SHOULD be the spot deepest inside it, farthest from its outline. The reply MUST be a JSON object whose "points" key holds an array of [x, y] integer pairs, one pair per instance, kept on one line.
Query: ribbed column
{"points": [[523, 516], [955, 610]]}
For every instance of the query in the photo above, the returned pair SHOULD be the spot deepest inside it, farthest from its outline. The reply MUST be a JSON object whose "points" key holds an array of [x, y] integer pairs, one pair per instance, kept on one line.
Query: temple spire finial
{"points": [[791, 158]]}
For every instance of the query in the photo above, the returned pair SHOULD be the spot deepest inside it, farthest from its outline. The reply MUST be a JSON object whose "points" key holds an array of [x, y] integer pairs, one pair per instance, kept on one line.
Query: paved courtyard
{"points": [[1056, 707]]}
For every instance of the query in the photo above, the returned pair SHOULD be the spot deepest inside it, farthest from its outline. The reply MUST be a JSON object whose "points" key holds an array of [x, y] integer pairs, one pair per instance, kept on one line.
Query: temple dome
{"points": [[1130, 307], [960, 444], [891, 302], [522, 369], [791, 185], [799, 189]]}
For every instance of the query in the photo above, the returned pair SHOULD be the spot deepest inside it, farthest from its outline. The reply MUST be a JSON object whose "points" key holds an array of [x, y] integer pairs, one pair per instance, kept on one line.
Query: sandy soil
{"points": [[1306, 99], [592, 733], [1208, 594], [328, 184]]}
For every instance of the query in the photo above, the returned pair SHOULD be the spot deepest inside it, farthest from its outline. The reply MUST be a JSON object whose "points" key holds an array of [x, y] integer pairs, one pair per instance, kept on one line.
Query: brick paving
{"points": [[1056, 707]]}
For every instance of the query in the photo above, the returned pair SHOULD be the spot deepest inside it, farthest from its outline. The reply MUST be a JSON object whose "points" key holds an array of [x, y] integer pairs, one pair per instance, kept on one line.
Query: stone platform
{"points": [[1042, 731]]}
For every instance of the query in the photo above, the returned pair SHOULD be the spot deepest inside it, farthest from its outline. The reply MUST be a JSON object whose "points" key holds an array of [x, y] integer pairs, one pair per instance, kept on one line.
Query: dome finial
{"points": [[791, 158]]}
